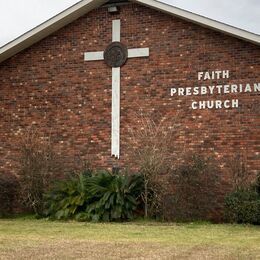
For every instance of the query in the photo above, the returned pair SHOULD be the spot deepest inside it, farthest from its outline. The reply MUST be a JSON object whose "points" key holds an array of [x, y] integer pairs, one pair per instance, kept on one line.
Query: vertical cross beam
{"points": [[115, 130], [96, 56]]}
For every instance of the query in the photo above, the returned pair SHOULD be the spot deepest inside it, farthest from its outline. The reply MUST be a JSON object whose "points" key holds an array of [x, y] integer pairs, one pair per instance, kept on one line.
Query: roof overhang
{"points": [[201, 20], [50, 26], [85, 6]]}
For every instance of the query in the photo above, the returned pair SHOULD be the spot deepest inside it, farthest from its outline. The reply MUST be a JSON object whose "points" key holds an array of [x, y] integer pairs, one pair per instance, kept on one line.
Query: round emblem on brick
{"points": [[115, 54]]}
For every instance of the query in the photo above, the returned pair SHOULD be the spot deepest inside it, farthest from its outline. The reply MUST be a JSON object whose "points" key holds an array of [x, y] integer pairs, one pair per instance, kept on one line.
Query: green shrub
{"points": [[99, 197], [8, 193], [67, 198], [113, 197], [243, 206]]}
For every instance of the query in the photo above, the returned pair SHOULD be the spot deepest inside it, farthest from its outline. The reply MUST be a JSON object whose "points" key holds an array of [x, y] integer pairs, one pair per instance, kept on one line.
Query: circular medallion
{"points": [[116, 54]]}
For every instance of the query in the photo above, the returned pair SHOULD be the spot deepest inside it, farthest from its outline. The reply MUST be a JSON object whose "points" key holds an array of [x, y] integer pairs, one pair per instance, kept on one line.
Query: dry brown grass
{"points": [[40, 239]]}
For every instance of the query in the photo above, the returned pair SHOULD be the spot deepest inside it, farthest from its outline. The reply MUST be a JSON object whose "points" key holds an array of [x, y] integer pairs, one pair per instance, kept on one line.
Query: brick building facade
{"points": [[49, 85]]}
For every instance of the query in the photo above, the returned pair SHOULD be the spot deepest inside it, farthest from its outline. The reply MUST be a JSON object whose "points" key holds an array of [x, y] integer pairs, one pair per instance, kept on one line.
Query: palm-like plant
{"points": [[114, 197], [99, 197], [66, 198]]}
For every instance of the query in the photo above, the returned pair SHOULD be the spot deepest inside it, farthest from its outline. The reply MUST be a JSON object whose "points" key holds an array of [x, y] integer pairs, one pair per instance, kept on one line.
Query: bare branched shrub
{"points": [[38, 162], [9, 188], [151, 146], [197, 184], [237, 167]]}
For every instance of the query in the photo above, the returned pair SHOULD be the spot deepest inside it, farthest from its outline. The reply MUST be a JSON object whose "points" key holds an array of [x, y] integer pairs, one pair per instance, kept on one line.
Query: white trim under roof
{"points": [[85, 6], [201, 20], [50, 26]]}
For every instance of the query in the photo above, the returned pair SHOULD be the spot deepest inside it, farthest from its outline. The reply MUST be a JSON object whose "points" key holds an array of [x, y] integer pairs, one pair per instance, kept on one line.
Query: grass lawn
{"points": [[25, 238]]}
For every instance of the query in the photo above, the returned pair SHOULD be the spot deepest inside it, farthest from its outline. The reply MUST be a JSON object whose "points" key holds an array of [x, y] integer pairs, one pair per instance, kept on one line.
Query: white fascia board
{"points": [[48, 27], [201, 20], [85, 6]]}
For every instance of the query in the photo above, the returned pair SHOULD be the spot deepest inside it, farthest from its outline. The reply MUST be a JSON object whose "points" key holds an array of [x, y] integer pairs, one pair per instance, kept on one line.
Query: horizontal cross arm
{"points": [[139, 52], [91, 56]]}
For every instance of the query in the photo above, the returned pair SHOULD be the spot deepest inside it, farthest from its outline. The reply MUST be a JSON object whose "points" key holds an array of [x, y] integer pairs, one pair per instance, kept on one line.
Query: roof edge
{"points": [[201, 20], [48, 27], [84, 6]]}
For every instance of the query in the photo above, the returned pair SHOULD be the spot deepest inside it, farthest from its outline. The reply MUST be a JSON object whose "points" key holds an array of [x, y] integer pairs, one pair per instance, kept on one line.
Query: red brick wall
{"points": [[51, 86]]}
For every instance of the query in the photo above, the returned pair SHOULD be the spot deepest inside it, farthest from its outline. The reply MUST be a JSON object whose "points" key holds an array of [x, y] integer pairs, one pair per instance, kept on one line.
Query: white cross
{"points": [[132, 53]]}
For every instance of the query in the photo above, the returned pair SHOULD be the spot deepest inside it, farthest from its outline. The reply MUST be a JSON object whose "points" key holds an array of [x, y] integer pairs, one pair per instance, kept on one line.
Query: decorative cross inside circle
{"points": [[115, 56]]}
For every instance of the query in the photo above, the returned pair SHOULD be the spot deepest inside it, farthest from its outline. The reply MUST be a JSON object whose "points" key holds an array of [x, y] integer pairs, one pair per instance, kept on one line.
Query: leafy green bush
{"points": [[8, 193], [113, 197], [243, 206], [67, 198], [99, 197]]}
